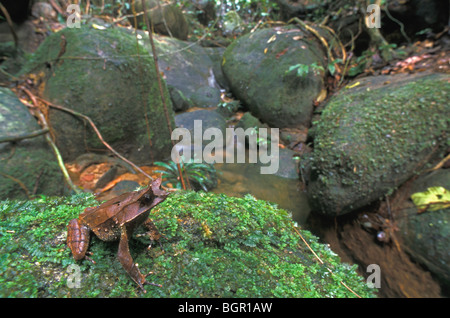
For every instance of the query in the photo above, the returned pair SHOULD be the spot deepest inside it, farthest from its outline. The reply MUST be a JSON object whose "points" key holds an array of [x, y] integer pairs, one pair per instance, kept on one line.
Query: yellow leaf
{"points": [[265, 50], [98, 27], [322, 95], [353, 85], [272, 38], [435, 198]]}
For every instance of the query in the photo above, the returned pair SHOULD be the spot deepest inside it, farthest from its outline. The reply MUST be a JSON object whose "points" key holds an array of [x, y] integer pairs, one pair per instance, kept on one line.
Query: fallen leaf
{"points": [[322, 95], [272, 38], [353, 85], [434, 198], [281, 53]]}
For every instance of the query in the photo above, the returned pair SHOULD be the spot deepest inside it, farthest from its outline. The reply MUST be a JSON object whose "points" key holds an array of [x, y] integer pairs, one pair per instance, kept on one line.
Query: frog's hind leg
{"points": [[127, 261], [78, 239]]}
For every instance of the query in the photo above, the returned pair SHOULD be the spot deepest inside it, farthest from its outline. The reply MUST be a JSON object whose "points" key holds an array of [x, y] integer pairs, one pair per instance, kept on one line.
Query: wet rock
{"points": [[43, 10], [206, 97], [179, 101], [426, 236], [208, 118], [256, 67], [167, 19], [27, 166], [187, 69], [250, 121], [372, 138], [104, 80], [295, 8], [106, 178], [124, 187], [287, 166]]}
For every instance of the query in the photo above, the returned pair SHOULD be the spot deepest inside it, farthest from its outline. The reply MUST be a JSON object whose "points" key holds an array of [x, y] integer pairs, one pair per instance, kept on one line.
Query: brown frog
{"points": [[116, 219]]}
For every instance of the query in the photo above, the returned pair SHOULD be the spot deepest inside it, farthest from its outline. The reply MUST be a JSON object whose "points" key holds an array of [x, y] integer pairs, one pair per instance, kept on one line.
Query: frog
{"points": [[116, 220]]}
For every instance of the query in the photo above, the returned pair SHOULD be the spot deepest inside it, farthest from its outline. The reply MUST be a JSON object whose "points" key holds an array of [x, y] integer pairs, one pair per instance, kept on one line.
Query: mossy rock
{"points": [[99, 74], [257, 65], [375, 136], [27, 166], [211, 246]]}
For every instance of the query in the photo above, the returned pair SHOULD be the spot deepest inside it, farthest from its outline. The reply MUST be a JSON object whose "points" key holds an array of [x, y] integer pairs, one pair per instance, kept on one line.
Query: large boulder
{"points": [[27, 166], [107, 76], [192, 73], [257, 68], [373, 137]]}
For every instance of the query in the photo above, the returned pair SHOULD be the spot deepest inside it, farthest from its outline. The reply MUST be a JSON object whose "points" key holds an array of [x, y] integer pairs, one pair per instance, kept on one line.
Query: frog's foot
{"points": [[141, 279], [150, 283], [88, 258], [128, 264]]}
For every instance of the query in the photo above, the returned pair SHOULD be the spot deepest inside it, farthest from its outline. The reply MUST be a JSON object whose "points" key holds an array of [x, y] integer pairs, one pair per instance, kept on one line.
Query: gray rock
{"points": [[27, 166], [167, 19], [209, 119], [257, 65], [187, 69]]}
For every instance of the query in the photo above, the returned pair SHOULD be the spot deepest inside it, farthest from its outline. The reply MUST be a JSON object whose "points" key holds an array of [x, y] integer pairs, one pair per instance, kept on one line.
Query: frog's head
{"points": [[156, 195]]}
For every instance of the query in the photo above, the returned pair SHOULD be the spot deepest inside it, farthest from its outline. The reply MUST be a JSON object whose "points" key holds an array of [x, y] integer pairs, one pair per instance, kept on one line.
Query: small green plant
{"points": [[201, 176], [305, 69]]}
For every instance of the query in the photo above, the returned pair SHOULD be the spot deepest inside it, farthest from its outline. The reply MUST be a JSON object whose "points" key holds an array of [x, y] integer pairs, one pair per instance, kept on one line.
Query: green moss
{"points": [[369, 141], [109, 77], [212, 246]]}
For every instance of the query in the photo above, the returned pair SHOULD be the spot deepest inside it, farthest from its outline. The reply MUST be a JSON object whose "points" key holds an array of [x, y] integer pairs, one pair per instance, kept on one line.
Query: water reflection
{"points": [[238, 179]]}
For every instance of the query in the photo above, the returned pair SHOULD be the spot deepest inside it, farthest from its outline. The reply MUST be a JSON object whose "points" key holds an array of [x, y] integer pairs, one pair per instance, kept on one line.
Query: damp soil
{"points": [[400, 277]]}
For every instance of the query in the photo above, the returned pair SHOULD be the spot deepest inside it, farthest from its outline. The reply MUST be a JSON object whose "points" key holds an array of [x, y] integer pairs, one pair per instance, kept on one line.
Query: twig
{"points": [[402, 26], [164, 18], [158, 77], [9, 75], [101, 138], [322, 262], [10, 24], [20, 183], [50, 141], [24, 136], [75, 113], [440, 164]]}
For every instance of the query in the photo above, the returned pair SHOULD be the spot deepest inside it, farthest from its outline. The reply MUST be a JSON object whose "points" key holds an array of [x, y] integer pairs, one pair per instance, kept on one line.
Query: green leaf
{"points": [[435, 198]]}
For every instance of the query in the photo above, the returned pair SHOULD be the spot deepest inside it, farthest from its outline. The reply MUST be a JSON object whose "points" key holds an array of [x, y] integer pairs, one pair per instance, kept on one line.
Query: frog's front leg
{"points": [[78, 239], [127, 261]]}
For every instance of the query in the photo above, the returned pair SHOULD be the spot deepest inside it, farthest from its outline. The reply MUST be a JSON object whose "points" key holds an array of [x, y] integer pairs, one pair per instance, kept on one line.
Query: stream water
{"points": [[239, 179]]}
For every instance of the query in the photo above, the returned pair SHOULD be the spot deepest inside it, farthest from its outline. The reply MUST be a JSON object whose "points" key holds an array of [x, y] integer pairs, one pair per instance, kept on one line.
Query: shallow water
{"points": [[239, 179]]}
